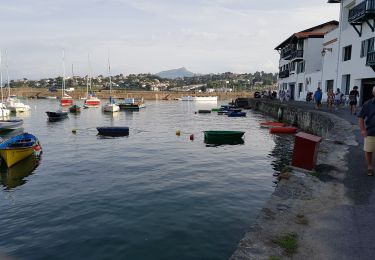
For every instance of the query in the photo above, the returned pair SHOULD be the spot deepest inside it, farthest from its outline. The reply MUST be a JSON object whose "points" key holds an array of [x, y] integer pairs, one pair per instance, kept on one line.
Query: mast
{"points": [[63, 79], [1, 79], [109, 72], [7, 69]]}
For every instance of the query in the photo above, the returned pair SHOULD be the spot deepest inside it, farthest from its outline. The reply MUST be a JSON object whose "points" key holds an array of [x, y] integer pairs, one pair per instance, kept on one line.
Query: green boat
{"points": [[216, 109], [223, 137]]}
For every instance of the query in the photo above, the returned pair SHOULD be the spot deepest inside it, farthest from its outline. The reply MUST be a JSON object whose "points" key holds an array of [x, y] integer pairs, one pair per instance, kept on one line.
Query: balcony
{"points": [[287, 52], [362, 12], [297, 55], [284, 74]]}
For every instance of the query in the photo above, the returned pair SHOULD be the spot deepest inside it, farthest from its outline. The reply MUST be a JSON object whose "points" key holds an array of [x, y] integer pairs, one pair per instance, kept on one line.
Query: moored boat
{"points": [[236, 114], [18, 148], [283, 130], [223, 137], [132, 104], [202, 111], [199, 98], [10, 125], [271, 124], [92, 101], [113, 131], [74, 109], [56, 115]]}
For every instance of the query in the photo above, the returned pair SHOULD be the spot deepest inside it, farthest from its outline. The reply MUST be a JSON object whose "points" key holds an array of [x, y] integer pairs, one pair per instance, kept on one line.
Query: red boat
{"points": [[271, 124], [66, 100], [283, 130], [92, 101]]}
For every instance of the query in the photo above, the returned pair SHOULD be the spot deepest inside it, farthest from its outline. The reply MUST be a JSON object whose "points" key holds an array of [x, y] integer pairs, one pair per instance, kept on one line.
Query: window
{"points": [[292, 66], [347, 53], [345, 84], [367, 46], [329, 85], [300, 87], [300, 67]]}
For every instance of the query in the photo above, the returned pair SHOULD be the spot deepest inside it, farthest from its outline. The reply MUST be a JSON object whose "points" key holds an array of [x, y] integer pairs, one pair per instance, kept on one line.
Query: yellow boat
{"points": [[11, 156], [18, 148]]}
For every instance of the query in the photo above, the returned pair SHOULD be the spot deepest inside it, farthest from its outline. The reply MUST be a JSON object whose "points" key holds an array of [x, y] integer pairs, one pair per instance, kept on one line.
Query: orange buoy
{"points": [[271, 124], [191, 137], [283, 130]]}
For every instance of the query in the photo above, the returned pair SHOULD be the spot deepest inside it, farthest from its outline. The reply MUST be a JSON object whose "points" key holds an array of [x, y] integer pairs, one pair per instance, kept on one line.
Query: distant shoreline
{"points": [[147, 95]]}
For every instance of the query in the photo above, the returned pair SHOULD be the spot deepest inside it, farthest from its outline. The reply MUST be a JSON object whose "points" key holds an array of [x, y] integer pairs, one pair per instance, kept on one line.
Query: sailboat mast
{"points": [[110, 79], [7, 69], [63, 79], [1, 78]]}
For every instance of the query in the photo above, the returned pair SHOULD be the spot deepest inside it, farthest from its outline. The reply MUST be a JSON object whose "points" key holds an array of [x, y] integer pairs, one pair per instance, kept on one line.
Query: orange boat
{"points": [[283, 130], [271, 124]]}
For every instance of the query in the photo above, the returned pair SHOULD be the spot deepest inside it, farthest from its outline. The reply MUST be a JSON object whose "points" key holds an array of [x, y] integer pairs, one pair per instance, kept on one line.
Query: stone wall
{"points": [[307, 120]]}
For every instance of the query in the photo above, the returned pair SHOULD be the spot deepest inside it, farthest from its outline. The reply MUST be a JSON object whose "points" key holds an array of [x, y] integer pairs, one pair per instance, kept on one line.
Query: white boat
{"points": [[12, 103], [110, 106], [51, 97], [8, 125], [199, 98]]}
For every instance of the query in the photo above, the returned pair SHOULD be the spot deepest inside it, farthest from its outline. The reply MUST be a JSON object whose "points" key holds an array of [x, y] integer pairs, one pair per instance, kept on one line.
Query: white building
{"points": [[301, 60], [349, 58]]}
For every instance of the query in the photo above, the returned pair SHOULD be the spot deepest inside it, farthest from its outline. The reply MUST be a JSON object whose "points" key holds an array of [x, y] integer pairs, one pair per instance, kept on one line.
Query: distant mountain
{"points": [[175, 73]]}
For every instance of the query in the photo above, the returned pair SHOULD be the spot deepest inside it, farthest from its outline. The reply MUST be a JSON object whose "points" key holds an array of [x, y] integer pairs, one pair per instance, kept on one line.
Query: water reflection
{"points": [[14, 176], [282, 152], [215, 143]]}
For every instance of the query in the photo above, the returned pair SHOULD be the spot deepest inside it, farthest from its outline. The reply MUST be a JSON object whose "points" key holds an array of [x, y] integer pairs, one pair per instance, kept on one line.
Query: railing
{"points": [[287, 52], [370, 58], [297, 54], [361, 10], [284, 74]]}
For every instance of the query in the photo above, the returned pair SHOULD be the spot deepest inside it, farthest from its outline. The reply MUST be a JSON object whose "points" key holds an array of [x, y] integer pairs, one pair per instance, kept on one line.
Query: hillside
{"points": [[175, 73]]}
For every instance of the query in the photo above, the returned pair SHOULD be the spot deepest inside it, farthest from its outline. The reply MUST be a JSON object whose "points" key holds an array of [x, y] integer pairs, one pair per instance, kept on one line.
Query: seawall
{"points": [[309, 206]]}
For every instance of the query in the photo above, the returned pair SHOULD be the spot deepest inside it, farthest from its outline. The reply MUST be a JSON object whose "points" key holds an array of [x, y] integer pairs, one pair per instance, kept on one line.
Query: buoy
{"points": [[37, 148], [74, 131], [178, 132], [191, 137], [195, 112]]}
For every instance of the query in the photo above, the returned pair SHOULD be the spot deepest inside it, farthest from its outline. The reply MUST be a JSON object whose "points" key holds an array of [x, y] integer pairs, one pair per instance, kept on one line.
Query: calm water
{"points": [[152, 195]]}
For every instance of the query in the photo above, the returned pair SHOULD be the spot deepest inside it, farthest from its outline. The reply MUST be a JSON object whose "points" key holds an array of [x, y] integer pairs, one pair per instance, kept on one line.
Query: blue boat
{"points": [[236, 114], [113, 131]]}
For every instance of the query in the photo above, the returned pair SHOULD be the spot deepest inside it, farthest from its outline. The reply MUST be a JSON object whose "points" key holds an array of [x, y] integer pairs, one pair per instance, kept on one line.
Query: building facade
{"points": [[353, 49], [301, 60]]}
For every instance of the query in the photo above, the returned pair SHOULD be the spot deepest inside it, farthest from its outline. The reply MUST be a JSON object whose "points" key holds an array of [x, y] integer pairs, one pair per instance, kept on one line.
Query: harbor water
{"points": [[151, 195]]}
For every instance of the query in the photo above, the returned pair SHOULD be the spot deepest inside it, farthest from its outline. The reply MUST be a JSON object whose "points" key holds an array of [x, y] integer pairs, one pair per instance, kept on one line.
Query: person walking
{"points": [[353, 95], [330, 99], [366, 121], [338, 98], [318, 97]]}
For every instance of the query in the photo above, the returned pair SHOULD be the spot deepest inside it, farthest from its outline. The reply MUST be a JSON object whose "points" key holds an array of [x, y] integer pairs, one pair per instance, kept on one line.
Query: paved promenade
{"points": [[354, 235]]}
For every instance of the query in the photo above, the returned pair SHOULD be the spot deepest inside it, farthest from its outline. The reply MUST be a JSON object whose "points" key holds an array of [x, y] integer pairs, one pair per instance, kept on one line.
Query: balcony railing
{"points": [[362, 11], [297, 54], [284, 74], [287, 52], [370, 59]]}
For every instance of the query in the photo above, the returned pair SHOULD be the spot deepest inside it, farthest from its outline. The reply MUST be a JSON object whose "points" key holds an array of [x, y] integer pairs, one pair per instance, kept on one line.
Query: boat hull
{"points": [[283, 130], [92, 102], [11, 156], [66, 101], [223, 137], [56, 116], [111, 108], [199, 99], [113, 131]]}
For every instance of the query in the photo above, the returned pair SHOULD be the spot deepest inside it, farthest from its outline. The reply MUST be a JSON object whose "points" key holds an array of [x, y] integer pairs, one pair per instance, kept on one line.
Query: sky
{"points": [[149, 36]]}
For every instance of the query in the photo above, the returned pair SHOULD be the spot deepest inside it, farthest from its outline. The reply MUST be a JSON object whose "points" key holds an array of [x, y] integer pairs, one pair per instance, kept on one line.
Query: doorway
{"points": [[367, 85], [292, 91]]}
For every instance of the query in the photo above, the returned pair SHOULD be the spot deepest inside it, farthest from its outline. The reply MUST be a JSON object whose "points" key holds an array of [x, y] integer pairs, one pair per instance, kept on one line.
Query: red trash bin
{"points": [[305, 152]]}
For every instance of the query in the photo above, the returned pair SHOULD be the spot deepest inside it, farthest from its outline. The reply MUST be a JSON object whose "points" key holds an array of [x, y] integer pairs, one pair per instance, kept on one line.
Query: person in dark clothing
{"points": [[366, 120], [318, 98], [353, 96]]}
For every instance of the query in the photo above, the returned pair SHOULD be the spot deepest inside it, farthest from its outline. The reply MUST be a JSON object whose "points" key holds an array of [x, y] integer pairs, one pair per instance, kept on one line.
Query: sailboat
{"points": [[111, 105], [4, 112], [66, 100], [12, 103], [90, 100]]}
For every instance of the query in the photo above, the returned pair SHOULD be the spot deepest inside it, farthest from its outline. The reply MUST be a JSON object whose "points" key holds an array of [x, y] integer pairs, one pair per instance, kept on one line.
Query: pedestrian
{"points": [[318, 97], [282, 96], [366, 121], [353, 95], [338, 98], [330, 99]]}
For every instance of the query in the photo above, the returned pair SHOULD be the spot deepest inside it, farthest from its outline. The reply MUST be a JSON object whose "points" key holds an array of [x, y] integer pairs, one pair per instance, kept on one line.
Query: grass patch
{"points": [[288, 243], [274, 258]]}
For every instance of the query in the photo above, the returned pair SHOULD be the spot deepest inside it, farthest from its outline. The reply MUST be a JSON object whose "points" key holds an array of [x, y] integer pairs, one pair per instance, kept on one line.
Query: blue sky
{"points": [[206, 36]]}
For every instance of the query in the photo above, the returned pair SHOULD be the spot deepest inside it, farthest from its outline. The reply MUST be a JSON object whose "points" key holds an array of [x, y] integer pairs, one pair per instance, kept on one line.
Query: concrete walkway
{"points": [[356, 240]]}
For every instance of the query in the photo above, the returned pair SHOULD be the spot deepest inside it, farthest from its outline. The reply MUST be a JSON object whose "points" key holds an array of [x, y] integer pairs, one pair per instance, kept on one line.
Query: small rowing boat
{"points": [[113, 131], [57, 115]]}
